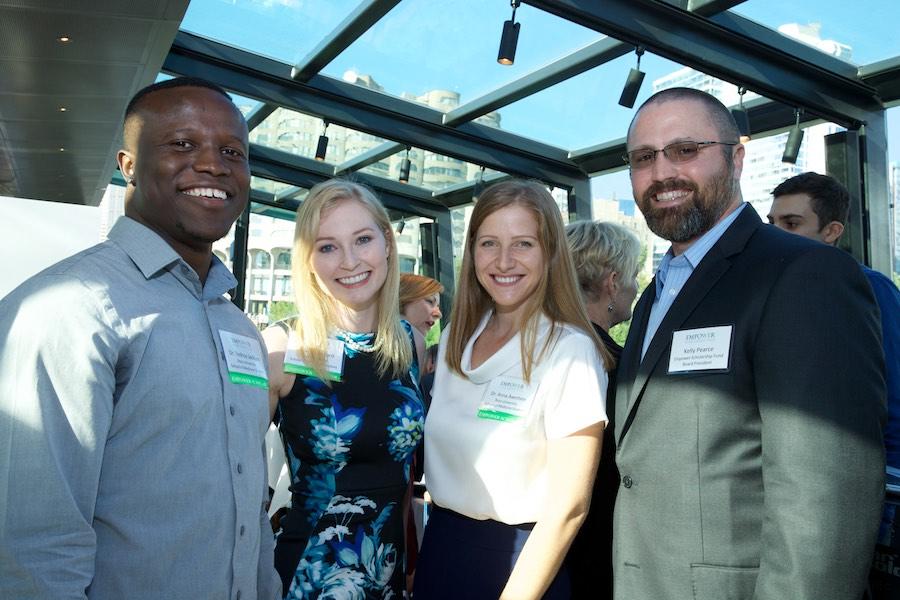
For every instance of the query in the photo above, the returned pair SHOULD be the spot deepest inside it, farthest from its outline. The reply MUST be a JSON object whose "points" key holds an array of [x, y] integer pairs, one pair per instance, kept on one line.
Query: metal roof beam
{"points": [[350, 29], [461, 193], [725, 46], [303, 172], [884, 76], [369, 111], [370, 157], [576, 63]]}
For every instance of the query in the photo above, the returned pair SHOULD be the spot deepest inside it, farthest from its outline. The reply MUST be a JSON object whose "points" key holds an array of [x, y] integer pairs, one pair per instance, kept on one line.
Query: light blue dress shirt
{"points": [[674, 271], [130, 464]]}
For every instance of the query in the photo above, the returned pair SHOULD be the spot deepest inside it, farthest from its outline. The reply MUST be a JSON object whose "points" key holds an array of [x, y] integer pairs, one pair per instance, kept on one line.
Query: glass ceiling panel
{"points": [[298, 133], [423, 46], [285, 30], [588, 104], [859, 32], [430, 170]]}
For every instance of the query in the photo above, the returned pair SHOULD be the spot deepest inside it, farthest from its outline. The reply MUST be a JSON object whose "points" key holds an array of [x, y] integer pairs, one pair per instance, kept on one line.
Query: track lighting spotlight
{"points": [[404, 167], [795, 138], [741, 118], [510, 37], [400, 226], [479, 185], [322, 148], [633, 83]]}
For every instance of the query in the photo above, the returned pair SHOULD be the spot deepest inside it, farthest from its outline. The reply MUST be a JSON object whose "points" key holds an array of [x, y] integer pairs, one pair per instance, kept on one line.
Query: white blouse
{"points": [[486, 436]]}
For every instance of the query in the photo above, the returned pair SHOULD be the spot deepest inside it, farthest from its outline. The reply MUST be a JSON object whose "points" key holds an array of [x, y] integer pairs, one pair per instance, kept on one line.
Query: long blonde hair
{"points": [[557, 295], [316, 307]]}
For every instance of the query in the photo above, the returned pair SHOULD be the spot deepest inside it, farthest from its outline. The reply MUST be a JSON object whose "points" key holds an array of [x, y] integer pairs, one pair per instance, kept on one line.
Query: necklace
{"points": [[347, 337]]}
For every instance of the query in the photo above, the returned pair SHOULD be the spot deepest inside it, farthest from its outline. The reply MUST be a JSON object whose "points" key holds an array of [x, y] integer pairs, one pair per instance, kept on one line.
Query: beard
{"points": [[692, 219]]}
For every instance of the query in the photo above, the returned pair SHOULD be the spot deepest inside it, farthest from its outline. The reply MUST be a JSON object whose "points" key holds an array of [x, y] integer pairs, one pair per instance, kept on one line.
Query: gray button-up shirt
{"points": [[131, 466]]}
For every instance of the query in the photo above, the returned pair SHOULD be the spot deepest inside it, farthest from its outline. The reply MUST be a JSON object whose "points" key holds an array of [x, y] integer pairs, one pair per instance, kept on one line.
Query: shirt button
{"points": [[240, 469], [242, 530], [627, 481], [231, 409]]}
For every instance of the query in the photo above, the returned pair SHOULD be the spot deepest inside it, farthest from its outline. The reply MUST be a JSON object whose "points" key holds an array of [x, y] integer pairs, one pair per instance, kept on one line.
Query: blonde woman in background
{"points": [[606, 259], [343, 390], [515, 426]]}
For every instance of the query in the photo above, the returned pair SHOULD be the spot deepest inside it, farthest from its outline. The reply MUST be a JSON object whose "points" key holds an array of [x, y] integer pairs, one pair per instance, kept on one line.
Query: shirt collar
{"points": [[151, 254], [691, 257]]}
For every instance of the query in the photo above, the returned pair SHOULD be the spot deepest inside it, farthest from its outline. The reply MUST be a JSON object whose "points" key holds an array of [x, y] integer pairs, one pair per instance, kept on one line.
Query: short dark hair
{"points": [[719, 114], [177, 82], [829, 199]]}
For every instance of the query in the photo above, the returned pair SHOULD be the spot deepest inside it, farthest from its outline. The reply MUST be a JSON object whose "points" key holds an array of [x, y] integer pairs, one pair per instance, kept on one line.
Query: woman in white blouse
{"points": [[517, 417]]}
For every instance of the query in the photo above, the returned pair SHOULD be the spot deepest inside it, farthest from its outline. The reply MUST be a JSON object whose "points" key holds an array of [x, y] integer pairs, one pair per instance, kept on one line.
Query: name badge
{"points": [[334, 360], [506, 399], [704, 349], [244, 359]]}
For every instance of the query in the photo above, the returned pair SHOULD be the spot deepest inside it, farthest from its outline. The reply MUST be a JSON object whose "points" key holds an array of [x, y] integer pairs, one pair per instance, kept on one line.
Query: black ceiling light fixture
{"points": [[404, 167], [479, 185], [322, 148], [510, 37], [795, 138], [633, 83], [741, 118], [401, 225]]}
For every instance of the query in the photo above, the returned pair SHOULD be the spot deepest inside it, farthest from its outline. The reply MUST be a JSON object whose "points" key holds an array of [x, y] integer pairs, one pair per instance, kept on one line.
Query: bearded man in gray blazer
{"points": [[751, 394]]}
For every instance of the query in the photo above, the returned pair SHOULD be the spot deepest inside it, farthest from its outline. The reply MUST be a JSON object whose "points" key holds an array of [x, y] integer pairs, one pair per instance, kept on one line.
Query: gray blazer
{"points": [[762, 480]]}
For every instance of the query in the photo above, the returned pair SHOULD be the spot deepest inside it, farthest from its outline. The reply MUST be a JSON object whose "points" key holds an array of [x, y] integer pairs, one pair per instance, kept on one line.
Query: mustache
{"points": [[668, 185]]}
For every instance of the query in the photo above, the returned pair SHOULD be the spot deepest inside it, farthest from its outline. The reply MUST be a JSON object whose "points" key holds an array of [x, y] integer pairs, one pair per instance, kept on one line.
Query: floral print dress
{"points": [[349, 449]]}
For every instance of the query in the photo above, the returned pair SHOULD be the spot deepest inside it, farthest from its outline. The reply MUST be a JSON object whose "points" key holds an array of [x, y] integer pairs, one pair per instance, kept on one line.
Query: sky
{"points": [[422, 45]]}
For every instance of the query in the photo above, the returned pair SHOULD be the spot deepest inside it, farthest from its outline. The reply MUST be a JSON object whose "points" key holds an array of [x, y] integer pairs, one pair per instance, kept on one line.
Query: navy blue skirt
{"points": [[463, 558]]}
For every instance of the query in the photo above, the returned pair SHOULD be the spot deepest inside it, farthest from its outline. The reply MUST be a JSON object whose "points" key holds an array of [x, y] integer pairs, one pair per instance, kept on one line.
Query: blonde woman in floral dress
{"points": [[343, 392]]}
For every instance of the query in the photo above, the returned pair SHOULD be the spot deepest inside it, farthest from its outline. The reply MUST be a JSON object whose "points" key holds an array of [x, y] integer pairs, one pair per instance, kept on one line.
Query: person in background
{"points": [[514, 431], [816, 207], [750, 396], [133, 402], [344, 394], [606, 259], [420, 301]]}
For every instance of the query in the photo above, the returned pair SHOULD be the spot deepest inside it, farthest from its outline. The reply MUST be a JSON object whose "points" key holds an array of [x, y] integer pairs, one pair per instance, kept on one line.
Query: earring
{"points": [[129, 180], [610, 307]]}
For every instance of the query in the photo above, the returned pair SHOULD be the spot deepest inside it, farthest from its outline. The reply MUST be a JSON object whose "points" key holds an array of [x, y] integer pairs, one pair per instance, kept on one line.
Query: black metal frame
{"points": [[703, 34]]}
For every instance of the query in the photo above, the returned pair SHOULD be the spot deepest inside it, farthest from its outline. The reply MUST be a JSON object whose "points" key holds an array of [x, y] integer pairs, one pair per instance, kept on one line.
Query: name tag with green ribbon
{"points": [[506, 399], [334, 360], [244, 359]]}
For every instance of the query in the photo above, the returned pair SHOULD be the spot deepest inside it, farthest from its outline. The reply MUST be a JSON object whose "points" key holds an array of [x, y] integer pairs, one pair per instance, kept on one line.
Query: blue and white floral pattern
{"points": [[350, 447]]}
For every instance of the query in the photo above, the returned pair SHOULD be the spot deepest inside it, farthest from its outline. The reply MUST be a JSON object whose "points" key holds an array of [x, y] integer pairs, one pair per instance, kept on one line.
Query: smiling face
{"points": [[186, 150], [350, 257], [509, 261], [423, 313], [682, 201]]}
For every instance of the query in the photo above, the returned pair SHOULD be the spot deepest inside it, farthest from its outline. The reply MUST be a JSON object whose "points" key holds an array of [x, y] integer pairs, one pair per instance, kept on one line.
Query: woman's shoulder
{"points": [[571, 339]]}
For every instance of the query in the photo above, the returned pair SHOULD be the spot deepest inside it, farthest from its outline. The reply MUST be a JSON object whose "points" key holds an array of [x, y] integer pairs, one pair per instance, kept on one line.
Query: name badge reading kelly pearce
{"points": [[244, 359], [334, 360], [506, 399], [704, 349]]}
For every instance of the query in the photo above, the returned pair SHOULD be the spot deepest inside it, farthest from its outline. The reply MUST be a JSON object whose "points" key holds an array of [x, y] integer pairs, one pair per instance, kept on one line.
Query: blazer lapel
{"points": [[715, 264]]}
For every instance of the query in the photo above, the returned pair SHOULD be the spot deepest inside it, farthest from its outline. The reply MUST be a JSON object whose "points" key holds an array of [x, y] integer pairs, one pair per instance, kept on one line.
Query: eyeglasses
{"points": [[678, 152]]}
